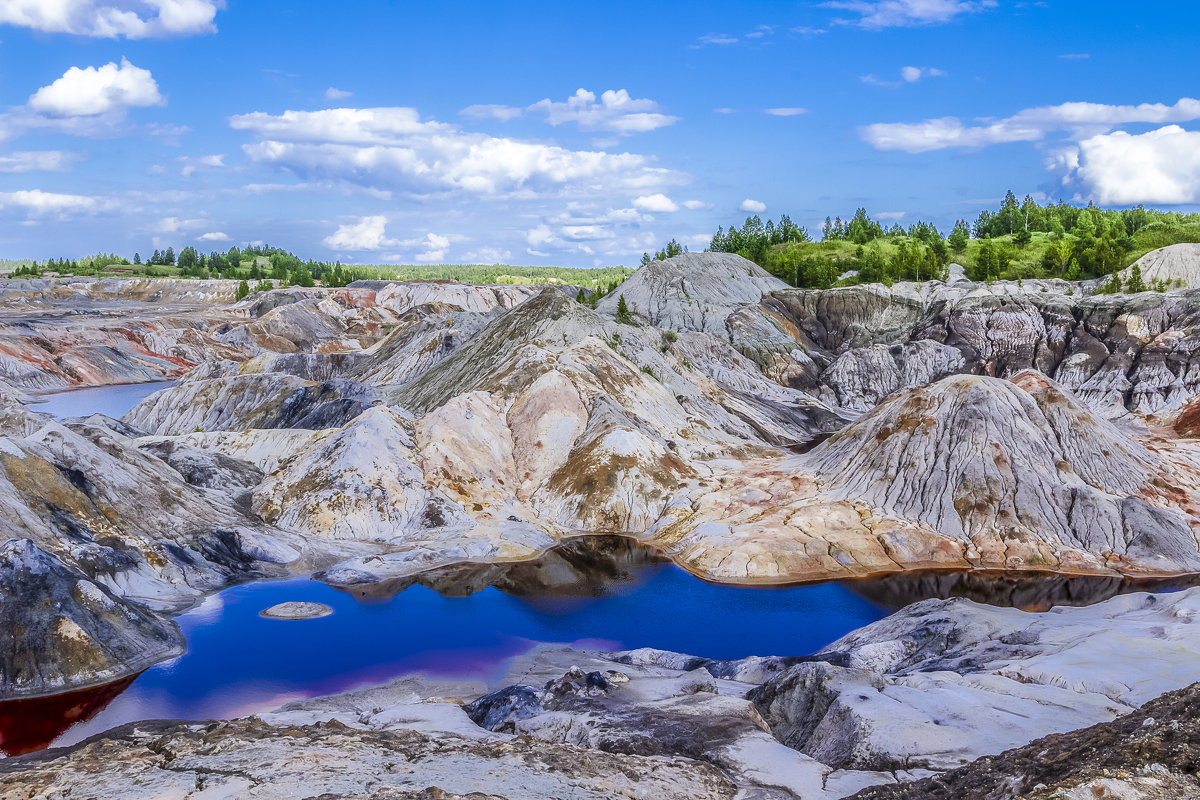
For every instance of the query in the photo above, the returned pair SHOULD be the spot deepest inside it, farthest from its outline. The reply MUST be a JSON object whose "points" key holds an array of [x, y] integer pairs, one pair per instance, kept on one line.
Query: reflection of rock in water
{"points": [[1029, 592], [32, 723], [585, 566]]}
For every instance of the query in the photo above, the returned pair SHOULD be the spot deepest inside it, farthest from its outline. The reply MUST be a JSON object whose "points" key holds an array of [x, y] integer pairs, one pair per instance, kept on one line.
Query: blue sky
{"points": [[552, 133]]}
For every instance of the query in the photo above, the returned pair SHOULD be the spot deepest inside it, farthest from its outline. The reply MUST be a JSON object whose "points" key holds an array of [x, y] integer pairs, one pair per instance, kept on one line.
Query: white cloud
{"points": [[914, 74], [92, 91], [178, 225], [40, 204], [37, 161], [1081, 120], [615, 111], [369, 233], [752, 206], [134, 19], [876, 14], [785, 112], [696, 205], [214, 236], [393, 148], [435, 248], [333, 93], [717, 38], [724, 110], [492, 111], [1160, 166], [657, 203], [191, 164], [890, 216], [489, 255]]}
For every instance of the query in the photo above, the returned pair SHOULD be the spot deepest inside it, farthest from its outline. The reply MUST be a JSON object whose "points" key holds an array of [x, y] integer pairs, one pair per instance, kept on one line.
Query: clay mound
{"points": [[550, 318], [70, 633], [1177, 262], [1003, 464], [694, 291]]}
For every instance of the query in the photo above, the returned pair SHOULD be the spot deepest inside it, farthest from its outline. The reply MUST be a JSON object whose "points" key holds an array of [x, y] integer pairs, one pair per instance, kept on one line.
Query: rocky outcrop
{"points": [[1177, 265], [228, 760], [64, 632], [946, 681], [240, 402], [1150, 754]]}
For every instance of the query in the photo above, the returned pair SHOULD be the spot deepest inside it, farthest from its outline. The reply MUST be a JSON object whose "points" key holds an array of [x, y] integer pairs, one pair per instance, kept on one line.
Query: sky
{"points": [[380, 131]]}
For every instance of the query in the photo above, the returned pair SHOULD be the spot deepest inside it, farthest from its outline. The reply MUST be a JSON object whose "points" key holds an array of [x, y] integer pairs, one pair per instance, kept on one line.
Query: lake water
{"points": [[113, 401]]}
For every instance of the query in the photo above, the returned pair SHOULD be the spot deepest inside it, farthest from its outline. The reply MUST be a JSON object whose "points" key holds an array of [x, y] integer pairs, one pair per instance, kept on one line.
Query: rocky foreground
{"points": [[752, 432], [935, 687]]}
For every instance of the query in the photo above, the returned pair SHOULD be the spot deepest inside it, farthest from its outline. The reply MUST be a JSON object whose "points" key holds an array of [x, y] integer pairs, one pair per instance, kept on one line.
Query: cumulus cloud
{"points": [[492, 111], [914, 74], [1081, 120], [369, 233], [333, 93], [696, 205], [877, 14], [133, 19], [614, 111], [42, 204], [92, 91], [435, 248], [393, 148], [1160, 166], [657, 203], [752, 206], [37, 161], [193, 164], [214, 236]]}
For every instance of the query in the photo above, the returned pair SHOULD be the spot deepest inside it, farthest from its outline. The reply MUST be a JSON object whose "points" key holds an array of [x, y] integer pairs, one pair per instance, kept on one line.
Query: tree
{"points": [[1022, 238], [243, 290], [169, 256], [623, 315], [1135, 284], [959, 236], [137, 258], [580, 297], [187, 258]]}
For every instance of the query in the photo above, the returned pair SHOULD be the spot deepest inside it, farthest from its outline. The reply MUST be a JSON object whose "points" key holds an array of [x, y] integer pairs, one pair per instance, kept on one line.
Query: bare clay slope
{"points": [[1020, 470]]}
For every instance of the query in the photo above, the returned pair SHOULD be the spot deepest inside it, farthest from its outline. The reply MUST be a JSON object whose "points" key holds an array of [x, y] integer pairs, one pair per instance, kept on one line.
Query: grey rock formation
{"points": [[1176, 265], [65, 632], [987, 462], [240, 402], [946, 681]]}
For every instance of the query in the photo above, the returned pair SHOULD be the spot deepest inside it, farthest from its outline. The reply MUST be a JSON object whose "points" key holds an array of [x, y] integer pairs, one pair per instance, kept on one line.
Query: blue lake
{"points": [[111, 400], [239, 662]]}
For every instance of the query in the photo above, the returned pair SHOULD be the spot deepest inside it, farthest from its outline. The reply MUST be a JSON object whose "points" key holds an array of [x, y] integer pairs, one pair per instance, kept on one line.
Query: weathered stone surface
{"points": [[1150, 754], [296, 610], [272, 400], [234, 759], [65, 632], [944, 682], [1174, 265]]}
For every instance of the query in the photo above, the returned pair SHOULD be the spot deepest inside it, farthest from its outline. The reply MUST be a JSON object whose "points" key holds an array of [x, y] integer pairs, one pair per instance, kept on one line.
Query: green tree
{"points": [[959, 236], [623, 315], [1134, 283], [243, 290]]}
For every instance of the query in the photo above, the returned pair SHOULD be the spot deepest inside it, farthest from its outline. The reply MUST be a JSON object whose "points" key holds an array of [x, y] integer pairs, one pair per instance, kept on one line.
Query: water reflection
{"points": [[1023, 590], [32, 724], [582, 567]]}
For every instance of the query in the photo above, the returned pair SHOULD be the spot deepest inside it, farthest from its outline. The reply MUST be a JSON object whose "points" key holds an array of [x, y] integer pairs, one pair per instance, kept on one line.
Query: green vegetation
{"points": [[623, 315], [263, 264], [1017, 241]]}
